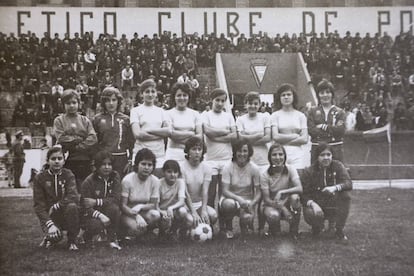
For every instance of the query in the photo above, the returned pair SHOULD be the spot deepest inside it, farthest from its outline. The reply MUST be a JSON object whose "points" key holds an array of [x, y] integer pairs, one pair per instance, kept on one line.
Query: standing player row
{"points": [[148, 126]]}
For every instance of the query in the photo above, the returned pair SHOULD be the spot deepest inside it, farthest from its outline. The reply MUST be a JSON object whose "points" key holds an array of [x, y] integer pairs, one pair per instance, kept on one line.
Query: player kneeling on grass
{"points": [[56, 200], [100, 197], [326, 186], [197, 177], [140, 196], [174, 214], [241, 189], [281, 186]]}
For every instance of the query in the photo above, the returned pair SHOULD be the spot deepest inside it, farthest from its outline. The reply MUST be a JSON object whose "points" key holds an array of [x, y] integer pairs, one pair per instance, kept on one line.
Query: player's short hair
{"points": [[146, 84], [107, 93], [251, 96], [100, 157], [237, 145], [54, 149], [69, 94], [172, 165], [144, 154], [217, 92], [283, 88], [271, 169], [184, 87], [324, 84], [192, 142]]}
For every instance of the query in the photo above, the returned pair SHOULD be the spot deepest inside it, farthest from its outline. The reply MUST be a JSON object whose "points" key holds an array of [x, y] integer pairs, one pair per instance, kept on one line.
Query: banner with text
{"points": [[117, 21]]}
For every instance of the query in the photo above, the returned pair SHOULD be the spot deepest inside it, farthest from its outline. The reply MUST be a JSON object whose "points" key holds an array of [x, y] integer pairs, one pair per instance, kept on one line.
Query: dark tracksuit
{"points": [[335, 207], [332, 132], [115, 135], [49, 189], [107, 194]]}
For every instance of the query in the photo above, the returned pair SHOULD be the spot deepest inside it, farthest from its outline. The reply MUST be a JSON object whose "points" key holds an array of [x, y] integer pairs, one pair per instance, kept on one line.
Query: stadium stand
{"points": [[373, 73]]}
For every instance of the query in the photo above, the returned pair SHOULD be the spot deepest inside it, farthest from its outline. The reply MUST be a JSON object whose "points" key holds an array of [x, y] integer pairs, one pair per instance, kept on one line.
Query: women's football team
{"points": [[253, 166]]}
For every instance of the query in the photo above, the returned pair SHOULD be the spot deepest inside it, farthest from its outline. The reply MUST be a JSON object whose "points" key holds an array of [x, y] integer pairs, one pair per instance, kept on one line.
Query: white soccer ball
{"points": [[202, 233]]}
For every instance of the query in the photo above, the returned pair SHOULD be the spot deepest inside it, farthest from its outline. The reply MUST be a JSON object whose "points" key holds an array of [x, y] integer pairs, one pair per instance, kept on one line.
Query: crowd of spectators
{"points": [[375, 73]]}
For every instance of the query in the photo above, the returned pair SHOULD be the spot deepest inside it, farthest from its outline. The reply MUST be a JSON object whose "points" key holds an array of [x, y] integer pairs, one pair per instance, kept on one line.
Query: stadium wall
{"points": [[117, 21]]}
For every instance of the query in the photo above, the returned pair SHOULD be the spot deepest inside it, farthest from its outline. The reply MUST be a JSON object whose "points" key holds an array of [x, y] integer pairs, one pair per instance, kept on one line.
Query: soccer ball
{"points": [[202, 233]]}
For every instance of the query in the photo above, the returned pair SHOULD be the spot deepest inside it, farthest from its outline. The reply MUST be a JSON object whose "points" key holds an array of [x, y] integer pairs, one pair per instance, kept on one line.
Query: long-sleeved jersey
{"points": [[333, 129], [315, 178], [105, 191], [75, 133], [58, 189], [114, 132]]}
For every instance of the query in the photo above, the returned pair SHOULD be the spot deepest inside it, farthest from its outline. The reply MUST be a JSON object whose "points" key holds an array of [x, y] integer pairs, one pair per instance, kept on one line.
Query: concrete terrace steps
{"points": [[207, 79]]}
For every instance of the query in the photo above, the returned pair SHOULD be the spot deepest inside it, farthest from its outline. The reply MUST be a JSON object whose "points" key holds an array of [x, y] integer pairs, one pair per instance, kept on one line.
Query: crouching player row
{"points": [[147, 202]]}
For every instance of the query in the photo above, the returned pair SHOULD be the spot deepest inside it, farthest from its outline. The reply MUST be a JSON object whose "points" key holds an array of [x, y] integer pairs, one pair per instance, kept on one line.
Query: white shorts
{"points": [[295, 156], [176, 154], [197, 205], [159, 163], [216, 165]]}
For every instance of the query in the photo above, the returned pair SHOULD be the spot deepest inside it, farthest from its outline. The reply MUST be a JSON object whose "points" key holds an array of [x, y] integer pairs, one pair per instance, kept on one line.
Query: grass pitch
{"points": [[380, 229]]}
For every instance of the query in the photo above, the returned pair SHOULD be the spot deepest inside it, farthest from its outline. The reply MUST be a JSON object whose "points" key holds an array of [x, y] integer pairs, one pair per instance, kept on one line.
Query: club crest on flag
{"points": [[258, 66]]}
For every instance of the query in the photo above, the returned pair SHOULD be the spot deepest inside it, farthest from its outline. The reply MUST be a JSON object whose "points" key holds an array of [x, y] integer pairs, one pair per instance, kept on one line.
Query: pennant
{"points": [[381, 134]]}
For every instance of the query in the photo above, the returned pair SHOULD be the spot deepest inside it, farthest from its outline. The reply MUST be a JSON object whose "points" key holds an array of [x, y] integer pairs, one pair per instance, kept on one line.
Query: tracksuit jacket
{"points": [[333, 128], [114, 132], [50, 189], [315, 178], [104, 191]]}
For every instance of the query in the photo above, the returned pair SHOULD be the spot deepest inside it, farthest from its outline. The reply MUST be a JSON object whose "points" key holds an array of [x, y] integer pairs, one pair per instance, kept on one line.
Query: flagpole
{"points": [[389, 153]]}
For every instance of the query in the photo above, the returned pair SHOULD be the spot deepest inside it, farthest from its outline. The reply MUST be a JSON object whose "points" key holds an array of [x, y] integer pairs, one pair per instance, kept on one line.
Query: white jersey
{"points": [[251, 125], [288, 123], [149, 117], [223, 120]]}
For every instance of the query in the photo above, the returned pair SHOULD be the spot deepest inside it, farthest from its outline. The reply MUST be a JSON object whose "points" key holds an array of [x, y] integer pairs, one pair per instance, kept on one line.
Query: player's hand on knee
{"points": [[244, 204], [170, 213], [104, 219], [136, 209], [54, 233], [163, 213], [316, 209], [205, 217], [141, 223], [279, 196], [196, 218]]}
